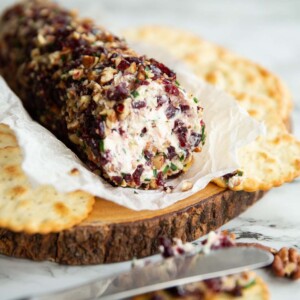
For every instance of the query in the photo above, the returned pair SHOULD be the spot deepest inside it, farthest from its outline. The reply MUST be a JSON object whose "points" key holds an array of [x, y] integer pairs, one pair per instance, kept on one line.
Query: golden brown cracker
{"points": [[217, 65], [36, 210]]}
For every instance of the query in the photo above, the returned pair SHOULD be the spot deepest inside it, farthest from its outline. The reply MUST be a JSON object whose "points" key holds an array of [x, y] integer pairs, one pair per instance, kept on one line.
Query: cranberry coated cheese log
{"points": [[125, 115]]}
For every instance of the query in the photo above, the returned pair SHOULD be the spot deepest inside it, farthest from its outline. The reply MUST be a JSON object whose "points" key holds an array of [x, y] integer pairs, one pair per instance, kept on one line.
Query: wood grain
{"points": [[113, 233]]}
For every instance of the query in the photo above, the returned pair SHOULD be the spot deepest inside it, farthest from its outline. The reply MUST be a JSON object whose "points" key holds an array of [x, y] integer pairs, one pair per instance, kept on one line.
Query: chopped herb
{"points": [[173, 167], [251, 283], [147, 179], [155, 173], [203, 135], [177, 83], [166, 169], [136, 192], [101, 145], [240, 173], [124, 150], [135, 94], [147, 68], [195, 100], [181, 158]]}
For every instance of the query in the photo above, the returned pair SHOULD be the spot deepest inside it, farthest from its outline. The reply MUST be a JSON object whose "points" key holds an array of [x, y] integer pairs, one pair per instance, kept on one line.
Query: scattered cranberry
{"points": [[181, 132], [171, 152], [147, 154], [195, 139], [143, 131], [120, 92], [119, 108], [117, 180], [161, 100], [160, 179], [167, 247], [171, 111], [127, 177], [139, 104], [184, 107], [137, 175], [172, 89], [215, 284], [123, 65]]}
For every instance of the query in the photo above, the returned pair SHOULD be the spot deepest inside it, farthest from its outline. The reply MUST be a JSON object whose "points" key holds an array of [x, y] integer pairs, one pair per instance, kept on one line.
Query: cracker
{"points": [[269, 161], [258, 291], [36, 210], [217, 65], [7, 137]]}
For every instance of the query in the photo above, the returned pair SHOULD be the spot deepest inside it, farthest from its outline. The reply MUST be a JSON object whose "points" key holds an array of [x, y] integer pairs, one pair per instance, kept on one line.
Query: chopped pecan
{"points": [[287, 263]]}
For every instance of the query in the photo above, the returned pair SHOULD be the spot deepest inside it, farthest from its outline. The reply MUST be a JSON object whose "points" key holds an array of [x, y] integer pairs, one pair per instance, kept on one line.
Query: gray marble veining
{"points": [[265, 31]]}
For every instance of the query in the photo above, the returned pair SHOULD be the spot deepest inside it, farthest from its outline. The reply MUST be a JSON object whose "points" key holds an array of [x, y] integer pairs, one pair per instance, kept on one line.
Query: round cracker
{"points": [[36, 210]]}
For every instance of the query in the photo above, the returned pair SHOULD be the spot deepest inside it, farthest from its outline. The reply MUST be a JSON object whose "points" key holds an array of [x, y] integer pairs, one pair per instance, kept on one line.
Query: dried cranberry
{"points": [[119, 108], [148, 155], [171, 152], [195, 139], [172, 89], [117, 180], [160, 179], [137, 175], [184, 107], [167, 247], [214, 284], [121, 131], [236, 291], [143, 131], [127, 177], [120, 92], [171, 111], [105, 158], [162, 68], [181, 132], [161, 100], [123, 65], [138, 104]]}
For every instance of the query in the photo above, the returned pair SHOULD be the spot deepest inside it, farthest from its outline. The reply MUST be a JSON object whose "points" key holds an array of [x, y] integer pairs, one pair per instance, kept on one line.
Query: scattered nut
{"points": [[287, 263], [186, 185]]}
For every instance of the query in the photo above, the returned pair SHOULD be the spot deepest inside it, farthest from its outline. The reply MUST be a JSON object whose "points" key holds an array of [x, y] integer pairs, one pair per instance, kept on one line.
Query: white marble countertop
{"points": [[265, 31]]}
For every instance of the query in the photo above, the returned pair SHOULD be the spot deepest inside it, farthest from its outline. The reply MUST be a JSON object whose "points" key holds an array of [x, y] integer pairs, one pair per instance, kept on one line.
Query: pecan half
{"points": [[287, 263]]}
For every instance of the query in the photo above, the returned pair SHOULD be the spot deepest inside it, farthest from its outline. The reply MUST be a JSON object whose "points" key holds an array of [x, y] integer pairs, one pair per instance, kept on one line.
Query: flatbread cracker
{"points": [[217, 65], [40, 210], [7, 137], [272, 159]]}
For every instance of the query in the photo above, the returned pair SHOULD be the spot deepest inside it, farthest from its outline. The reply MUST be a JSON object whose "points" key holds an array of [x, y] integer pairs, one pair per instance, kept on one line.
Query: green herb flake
{"points": [[147, 69], [173, 167], [135, 94], [101, 145], [251, 283], [147, 179], [203, 135], [166, 169], [195, 100], [136, 192], [177, 83], [181, 158], [240, 173], [155, 173]]}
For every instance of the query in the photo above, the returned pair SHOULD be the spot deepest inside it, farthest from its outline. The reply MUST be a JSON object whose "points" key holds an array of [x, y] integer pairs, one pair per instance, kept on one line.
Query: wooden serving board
{"points": [[113, 233]]}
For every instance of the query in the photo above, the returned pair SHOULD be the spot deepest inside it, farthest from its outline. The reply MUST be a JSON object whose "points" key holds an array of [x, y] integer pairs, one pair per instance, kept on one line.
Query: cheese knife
{"points": [[167, 273]]}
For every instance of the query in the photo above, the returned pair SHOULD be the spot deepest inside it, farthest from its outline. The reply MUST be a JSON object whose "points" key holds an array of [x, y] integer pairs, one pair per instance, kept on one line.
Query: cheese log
{"points": [[125, 115]]}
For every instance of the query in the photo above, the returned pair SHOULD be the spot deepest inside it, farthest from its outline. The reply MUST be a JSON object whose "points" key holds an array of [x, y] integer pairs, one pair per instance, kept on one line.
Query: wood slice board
{"points": [[113, 233]]}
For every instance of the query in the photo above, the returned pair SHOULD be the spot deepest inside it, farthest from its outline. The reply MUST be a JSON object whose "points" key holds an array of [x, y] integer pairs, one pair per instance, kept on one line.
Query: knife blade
{"points": [[167, 273]]}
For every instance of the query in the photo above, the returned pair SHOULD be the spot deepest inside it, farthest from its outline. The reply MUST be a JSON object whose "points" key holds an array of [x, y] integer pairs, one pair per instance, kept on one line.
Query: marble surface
{"points": [[265, 31]]}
